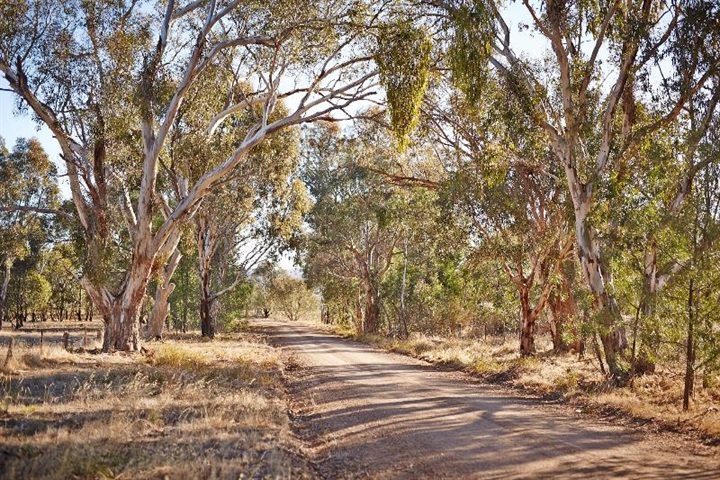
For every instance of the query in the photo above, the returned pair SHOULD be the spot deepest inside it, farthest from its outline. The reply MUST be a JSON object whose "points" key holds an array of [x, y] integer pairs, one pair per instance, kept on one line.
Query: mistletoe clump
{"points": [[403, 57]]}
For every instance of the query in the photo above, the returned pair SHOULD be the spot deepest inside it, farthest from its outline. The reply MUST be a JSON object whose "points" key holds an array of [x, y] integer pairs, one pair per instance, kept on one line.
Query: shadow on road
{"points": [[379, 415]]}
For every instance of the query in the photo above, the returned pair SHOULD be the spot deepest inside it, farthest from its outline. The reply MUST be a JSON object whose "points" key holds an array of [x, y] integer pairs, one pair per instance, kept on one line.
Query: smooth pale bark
{"points": [[564, 125], [120, 313], [161, 307], [7, 266], [597, 277]]}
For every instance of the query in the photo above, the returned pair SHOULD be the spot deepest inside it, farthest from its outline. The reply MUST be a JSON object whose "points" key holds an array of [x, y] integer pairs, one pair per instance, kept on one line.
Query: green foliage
{"points": [[291, 297], [29, 193], [232, 307], [185, 299], [403, 57], [37, 291], [473, 29], [355, 223]]}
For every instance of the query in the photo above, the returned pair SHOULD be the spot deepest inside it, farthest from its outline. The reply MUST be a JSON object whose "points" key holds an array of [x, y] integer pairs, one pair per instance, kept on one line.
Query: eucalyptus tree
{"points": [[28, 192], [702, 276], [604, 57], [291, 297], [109, 79], [60, 267], [354, 232], [648, 206], [245, 218], [239, 230], [503, 194], [28, 295]]}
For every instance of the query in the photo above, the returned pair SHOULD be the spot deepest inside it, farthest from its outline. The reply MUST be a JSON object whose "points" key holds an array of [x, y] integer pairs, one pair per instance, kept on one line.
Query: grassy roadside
{"points": [[184, 409], [654, 400]]}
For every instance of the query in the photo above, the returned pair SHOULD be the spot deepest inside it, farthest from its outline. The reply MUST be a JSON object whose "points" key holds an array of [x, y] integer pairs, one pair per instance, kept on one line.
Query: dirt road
{"points": [[366, 413]]}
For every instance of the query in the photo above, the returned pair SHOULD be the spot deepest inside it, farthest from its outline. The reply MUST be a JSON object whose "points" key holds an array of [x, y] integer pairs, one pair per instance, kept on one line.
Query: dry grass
{"points": [[655, 398], [187, 409]]}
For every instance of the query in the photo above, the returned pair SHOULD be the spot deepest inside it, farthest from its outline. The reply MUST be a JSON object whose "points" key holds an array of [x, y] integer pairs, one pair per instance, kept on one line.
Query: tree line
{"points": [[455, 183]]}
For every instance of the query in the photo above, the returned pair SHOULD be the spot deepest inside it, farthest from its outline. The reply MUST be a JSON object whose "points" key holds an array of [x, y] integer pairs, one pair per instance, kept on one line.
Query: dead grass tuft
{"points": [[189, 409]]}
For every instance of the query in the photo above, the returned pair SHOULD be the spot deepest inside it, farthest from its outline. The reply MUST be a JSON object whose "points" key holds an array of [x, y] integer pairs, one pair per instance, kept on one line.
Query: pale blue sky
{"points": [[14, 126]]}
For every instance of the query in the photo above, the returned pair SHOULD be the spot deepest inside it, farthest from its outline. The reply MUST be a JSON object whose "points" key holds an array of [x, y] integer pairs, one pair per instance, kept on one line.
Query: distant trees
{"points": [[28, 193], [354, 232], [291, 298]]}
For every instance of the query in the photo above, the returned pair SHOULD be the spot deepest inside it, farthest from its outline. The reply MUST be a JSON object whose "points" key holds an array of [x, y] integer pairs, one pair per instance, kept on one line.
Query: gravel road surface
{"points": [[365, 413]]}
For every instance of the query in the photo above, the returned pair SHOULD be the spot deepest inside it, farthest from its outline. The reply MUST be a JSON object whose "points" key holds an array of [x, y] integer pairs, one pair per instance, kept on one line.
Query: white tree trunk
{"points": [[7, 265], [161, 308], [594, 271], [121, 310]]}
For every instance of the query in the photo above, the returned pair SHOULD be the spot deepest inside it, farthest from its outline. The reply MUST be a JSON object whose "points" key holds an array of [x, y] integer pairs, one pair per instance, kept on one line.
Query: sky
{"points": [[14, 126]]}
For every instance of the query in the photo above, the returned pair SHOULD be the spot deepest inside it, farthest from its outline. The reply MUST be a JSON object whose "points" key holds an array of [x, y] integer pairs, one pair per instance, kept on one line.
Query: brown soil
{"points": [[365, 413]]}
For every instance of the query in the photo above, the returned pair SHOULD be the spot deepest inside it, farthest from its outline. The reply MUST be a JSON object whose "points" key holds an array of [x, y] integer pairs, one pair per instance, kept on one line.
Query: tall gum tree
{"points": [[108, 79], [603, 55], [242, 220], [354, 232], [233, 242]]}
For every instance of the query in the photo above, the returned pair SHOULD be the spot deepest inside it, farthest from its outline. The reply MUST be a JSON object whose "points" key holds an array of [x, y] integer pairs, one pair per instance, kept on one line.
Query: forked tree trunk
{"points": [[122, 329], [612, 336], [560, 303], [121, 312]]}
